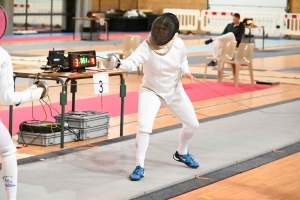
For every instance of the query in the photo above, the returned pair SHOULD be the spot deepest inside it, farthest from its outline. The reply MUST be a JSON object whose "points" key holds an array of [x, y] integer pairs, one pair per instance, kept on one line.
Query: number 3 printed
{"points": [[101, 87], [99, 79]]}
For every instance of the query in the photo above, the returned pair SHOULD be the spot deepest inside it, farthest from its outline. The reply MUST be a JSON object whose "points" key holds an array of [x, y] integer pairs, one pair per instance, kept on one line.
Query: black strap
{"points": [[118, 65]]}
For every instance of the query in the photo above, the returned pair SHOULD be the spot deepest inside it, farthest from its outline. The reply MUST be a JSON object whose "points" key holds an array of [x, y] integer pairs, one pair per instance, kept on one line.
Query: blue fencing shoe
{"points": [[187, 159], [137, 174]]}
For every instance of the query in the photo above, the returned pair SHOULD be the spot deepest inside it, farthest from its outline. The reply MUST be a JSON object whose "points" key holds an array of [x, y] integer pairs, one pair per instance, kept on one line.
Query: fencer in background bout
{"points": [[164, 60], [9, 97]]}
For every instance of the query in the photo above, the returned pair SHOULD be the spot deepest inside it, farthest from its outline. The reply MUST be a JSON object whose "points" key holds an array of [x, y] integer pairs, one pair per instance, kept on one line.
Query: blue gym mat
{"points": [[293, 69]]}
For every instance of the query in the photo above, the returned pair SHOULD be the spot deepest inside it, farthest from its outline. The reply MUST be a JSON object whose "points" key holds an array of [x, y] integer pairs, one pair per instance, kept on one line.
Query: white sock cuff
{"points": [[142, 142]]}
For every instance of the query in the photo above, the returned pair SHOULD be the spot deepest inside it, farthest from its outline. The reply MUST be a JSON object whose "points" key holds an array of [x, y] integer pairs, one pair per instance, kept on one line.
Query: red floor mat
{"points": [[111, 103]]}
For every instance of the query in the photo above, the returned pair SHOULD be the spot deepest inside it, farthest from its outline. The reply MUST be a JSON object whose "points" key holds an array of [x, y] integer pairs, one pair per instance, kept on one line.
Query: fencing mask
{"points": [[3, 21], [164, 28]]}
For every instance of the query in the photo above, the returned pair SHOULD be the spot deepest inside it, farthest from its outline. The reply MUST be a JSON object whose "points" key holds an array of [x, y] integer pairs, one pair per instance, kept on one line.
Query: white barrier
{"points": [[216, 21], [20, 8], [188, 19], [213, 20], [267, 20], [38, 20], [290, 24]]}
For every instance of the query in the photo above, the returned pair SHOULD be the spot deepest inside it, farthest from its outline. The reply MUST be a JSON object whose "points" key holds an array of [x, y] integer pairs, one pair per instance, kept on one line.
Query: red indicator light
{"points": [[93, 61], [76, 62]]}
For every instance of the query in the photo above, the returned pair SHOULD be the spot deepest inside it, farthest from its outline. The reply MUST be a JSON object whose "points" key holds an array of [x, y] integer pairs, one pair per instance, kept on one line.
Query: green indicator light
{"points": [[83, 60]]}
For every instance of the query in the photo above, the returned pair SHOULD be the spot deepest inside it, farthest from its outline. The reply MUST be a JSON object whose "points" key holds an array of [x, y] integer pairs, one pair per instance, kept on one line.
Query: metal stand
{"points": [[73, 91], [263, 36], [63, 103], [10, 119], [122, 95], [63, 98], [263, 47]]}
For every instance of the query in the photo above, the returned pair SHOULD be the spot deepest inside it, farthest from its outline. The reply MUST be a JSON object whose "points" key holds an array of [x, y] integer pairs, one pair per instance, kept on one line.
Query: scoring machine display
{"points": [[82, 59]]}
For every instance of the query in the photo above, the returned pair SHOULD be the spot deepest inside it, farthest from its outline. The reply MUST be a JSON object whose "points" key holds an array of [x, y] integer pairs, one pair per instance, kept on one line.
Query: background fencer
{"points": [[233, 32], [164, 60], [8, 97]]}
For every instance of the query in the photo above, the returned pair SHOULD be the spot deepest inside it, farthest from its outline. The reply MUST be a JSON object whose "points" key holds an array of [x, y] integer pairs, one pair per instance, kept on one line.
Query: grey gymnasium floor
{"points": [[102, 173]]}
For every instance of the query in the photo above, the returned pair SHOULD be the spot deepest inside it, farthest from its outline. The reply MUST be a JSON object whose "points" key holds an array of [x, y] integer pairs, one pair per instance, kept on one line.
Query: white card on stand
{"points": [[101, 83]]}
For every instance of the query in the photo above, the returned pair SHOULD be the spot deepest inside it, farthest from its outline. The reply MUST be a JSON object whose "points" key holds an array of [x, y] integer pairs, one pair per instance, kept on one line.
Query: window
{"points": [[38, 15]]}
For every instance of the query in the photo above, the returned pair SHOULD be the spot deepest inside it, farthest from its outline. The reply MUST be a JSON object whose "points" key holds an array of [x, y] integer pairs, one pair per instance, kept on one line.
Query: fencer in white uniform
{"points": [[164, 60], [9, 97]]}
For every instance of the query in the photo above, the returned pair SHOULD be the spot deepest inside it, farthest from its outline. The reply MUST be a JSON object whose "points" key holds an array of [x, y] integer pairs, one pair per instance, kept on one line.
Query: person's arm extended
{"points": [[241, 33], [8, 96], [225, 30], [136, 58]]}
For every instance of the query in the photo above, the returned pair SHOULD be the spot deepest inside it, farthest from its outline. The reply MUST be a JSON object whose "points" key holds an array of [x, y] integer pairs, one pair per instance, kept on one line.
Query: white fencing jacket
{"points": [[8, 96], [162, 73]]}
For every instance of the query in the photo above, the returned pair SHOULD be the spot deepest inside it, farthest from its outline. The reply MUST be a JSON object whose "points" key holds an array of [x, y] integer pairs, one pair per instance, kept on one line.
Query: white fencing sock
{"points": [[9, 163], [10, 175], [141, 142], [185, 139]]}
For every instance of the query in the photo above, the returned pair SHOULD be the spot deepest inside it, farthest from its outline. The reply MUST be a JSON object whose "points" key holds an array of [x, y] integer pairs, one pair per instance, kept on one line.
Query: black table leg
{"points": [[249, 35], [73, 91], [10, 119], [122, 95], [63, 103], [11, 107], [107, 32], [91, 37], [263, 46]]}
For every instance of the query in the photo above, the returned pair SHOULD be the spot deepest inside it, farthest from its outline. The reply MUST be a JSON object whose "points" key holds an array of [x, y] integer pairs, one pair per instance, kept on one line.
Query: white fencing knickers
{"points": [[9, 163], [149, 104], [218, 42]]}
